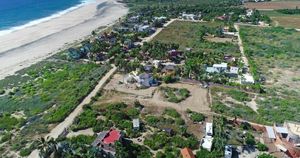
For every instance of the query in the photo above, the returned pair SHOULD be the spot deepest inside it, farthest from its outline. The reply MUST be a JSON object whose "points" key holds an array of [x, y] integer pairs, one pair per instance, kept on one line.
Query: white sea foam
{"points": [[41, 20]]}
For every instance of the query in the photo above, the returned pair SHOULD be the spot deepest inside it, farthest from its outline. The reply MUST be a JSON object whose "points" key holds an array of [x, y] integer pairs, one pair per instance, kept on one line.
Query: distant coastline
{"points": [[38, 21], [39, 39]]}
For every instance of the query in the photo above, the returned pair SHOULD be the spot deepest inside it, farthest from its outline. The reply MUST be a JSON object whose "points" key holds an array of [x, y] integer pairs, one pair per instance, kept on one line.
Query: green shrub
{"points": [[85, 120], [238, 95], [261, 147], [7, 136], [197, 117], [2, 91], [25, 152], [172, 113]]}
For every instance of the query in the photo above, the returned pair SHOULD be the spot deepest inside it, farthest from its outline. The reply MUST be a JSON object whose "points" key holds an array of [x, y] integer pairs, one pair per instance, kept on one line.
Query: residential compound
{"points": [[286, 138]]}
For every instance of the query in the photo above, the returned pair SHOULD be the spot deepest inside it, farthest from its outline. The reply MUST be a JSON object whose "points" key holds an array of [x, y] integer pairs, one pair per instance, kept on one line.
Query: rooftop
{"points": [[270, 131], [207, 143], [187, 153], [294, 127], [111, 137]]}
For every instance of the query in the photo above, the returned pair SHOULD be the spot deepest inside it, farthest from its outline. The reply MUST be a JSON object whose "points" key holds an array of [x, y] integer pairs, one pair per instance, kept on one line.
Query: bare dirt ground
{"points": [[273, 5], [198, 101], [114, 84], [219, 40], [88, 132], [284, 77]]}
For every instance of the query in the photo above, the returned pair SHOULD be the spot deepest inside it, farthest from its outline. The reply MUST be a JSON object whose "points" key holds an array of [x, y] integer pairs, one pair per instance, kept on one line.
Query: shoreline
{"points": [[30, 45], [42, 20]]}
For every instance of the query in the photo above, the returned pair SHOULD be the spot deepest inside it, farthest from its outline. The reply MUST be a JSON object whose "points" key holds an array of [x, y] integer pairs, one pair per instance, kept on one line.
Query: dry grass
{"points": [[284, 20], [273, 5]]}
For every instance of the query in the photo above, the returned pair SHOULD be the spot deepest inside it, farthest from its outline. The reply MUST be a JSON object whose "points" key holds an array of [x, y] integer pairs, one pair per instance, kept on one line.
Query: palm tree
{"points": [[47, 146]]}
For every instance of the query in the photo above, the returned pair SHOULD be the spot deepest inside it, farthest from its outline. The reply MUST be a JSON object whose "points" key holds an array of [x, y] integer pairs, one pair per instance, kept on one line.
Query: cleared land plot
{"points": [[186, 34], [197, 101], [284, 20], [273, 53], [273, 5]]}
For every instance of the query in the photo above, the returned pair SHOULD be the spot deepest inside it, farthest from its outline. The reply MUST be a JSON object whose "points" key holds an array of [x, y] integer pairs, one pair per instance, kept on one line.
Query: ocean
{"points": [[18, 14]]}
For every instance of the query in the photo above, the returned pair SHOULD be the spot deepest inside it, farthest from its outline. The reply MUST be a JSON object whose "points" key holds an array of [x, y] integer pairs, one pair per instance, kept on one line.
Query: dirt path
{"points": [[240, 43], [147, 39], [60, 128]]}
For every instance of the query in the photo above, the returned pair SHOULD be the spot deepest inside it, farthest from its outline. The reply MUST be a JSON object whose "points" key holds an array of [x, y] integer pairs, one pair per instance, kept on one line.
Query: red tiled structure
{"points": [[187, 153], [106, 140]]}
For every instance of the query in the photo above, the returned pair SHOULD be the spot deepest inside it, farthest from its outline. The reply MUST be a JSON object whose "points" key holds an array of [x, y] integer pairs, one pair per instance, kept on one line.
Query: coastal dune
{"points": [[30, 45]]}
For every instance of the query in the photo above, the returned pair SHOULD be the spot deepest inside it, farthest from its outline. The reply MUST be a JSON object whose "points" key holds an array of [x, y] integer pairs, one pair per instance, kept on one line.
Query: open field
{"points": [[273, 54], [44, 94], [284, 20], [272, 49], [273, 5], [187, 35]]}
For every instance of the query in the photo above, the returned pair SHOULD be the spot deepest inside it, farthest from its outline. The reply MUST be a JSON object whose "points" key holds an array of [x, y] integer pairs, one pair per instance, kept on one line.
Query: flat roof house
{"points": [[207, 142], [209, 129], [247, 79], [136, 124], [293, 132], [233, 71]]}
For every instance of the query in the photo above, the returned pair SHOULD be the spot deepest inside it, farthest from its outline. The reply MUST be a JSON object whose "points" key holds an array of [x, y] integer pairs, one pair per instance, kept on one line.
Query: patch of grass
{"points": [[238, 95], [175, 95], [172, 113], [85, 120], [8, 123], [284, 20]]}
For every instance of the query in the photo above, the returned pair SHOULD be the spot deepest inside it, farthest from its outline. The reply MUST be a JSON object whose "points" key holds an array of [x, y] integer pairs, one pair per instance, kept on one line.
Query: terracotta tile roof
{"points": [[187, 153], [112, 137]]}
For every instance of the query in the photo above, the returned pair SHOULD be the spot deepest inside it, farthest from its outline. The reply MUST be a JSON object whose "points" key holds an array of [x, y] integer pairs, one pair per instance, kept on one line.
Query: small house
{"points": [[106, 141], [249, 12], [233, 71], [270, 133], [207, 142], [228, 151], [220, 67], [187, 153], [136, 124], [247, 79], [146, 80], [209, 129], [293, 132]]}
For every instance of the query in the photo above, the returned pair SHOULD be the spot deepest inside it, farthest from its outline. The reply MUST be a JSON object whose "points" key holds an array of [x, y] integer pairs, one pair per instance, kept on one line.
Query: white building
{"points": [[247, 79], [207, 143], [209, 129], [293, 132], [136, 124], [218, 68]]}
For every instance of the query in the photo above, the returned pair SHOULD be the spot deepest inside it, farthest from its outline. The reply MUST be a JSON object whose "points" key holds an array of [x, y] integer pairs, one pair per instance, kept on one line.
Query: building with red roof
{"points": [[106, 140], [187, 153]]}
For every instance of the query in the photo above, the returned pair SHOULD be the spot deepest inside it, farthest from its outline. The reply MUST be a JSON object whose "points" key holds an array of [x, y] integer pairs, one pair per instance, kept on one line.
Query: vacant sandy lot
{"points": [[273, 5], [198, 101]]}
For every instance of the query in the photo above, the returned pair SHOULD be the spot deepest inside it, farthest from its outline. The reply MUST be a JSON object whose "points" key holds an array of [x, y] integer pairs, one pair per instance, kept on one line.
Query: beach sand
{"points": [[22, 48]]}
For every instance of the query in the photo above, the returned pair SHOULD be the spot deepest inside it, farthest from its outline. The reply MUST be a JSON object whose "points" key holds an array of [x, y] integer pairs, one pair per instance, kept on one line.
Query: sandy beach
{"points": [[30, 45]]}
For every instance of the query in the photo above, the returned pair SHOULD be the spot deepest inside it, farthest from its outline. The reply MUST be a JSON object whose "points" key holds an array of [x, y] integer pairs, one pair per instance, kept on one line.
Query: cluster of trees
{"points": [[162, 140]]}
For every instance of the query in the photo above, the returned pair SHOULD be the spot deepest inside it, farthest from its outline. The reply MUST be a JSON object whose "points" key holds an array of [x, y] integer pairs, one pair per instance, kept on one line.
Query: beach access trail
{"points": [[61, 127], [27, 46]]}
